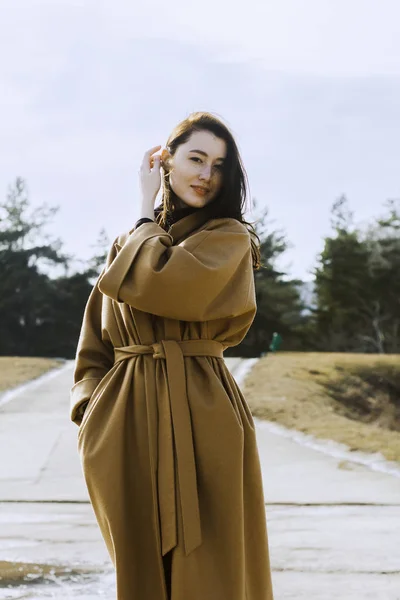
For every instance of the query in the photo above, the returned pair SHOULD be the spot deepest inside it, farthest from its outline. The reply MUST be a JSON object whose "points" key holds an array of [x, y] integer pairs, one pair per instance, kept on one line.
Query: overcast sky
{"points": [[310, 89]]}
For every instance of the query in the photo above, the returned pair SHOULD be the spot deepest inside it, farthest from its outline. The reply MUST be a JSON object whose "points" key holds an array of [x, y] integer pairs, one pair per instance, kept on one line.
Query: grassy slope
{"points": [[350, 398], [15, 370]]}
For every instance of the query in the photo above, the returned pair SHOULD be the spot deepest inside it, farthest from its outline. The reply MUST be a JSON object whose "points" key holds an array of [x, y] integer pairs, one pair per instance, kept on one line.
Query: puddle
{"points": [[29, 580]]}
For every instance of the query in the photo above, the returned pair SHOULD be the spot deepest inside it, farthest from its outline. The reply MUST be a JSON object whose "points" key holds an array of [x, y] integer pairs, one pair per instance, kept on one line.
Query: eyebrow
{"points": [[205, 154]]}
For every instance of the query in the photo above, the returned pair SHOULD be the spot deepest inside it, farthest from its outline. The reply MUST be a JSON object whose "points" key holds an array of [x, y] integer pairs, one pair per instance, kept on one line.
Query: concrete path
{"points": [[333, 525]]}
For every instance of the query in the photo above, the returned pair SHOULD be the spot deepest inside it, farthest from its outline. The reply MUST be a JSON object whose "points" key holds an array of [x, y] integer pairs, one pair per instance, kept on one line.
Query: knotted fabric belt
{"points": [[177, 430]]}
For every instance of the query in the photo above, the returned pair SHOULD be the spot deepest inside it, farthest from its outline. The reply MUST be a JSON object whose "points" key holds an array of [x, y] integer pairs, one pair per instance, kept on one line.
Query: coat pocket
{"points": [[89, 407], [93, 400]]}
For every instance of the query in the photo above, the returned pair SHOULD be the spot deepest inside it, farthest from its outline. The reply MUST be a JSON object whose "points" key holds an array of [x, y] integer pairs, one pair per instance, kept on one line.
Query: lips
{"points": [[199, 189]]}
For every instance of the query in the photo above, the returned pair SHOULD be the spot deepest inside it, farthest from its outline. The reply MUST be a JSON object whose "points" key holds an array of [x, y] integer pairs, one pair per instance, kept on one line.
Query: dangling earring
{"points": [[165, 164]]}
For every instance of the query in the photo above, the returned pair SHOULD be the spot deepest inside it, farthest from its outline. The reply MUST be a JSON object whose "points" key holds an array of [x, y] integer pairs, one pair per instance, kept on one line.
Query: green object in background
{"points": [[276, 342]]}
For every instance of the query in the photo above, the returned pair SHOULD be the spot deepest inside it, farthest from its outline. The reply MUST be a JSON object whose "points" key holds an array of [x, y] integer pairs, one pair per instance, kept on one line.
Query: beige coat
{"points": [[167, 441]]}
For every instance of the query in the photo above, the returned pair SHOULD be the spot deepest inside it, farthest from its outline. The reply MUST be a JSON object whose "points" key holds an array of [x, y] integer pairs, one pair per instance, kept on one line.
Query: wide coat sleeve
{"points": [[94, 356], [207, 276]]}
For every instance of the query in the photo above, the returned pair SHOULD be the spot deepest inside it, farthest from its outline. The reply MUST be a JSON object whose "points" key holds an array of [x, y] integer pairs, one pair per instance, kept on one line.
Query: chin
{"points": [[192, 203], [188, 199]]}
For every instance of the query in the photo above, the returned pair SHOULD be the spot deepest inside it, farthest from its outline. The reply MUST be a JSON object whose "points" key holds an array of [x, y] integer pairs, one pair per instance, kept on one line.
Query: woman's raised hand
{"points": [[150, 176]]}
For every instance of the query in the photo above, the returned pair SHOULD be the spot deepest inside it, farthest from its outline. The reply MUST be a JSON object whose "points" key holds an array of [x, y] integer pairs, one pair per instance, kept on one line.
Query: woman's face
{"points": [[197, 162]]}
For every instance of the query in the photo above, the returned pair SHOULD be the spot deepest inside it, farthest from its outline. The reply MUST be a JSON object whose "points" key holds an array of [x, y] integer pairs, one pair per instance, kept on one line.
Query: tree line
{"points": [[352, 304]]}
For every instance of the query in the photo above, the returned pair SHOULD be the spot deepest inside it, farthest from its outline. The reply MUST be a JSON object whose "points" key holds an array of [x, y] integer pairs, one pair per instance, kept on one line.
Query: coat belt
{"points": [[176, 431]]}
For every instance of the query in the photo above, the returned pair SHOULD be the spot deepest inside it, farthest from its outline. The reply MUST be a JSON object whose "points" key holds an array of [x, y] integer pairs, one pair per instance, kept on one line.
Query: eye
{"points": [[220, 167]]}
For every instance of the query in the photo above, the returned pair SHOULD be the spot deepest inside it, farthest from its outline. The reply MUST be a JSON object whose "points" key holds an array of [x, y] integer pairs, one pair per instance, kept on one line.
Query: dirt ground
{"points": [[16, 370], [353, 399]]}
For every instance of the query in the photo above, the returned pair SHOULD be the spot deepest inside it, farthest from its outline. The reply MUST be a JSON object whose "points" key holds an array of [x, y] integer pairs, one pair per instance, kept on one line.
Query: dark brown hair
{"points": [[233, 195]]}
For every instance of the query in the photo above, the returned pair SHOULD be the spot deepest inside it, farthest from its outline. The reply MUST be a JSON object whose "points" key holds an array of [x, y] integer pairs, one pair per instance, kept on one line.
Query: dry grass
{"points": [[350, 398], [15, 370]]}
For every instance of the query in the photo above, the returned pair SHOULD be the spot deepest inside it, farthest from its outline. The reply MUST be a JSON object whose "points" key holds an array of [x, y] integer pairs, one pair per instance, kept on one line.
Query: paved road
{"points": [[332, 524]]}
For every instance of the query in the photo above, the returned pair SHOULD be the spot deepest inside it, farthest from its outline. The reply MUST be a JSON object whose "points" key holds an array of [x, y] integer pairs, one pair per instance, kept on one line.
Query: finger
{"points": [[155, 158], [146, 162], [154, 166], [152, 150]]}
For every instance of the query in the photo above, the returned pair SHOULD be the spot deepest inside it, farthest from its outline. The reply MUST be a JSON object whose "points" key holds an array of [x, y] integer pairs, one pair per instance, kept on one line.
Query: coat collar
{"points": [[186, 225]]}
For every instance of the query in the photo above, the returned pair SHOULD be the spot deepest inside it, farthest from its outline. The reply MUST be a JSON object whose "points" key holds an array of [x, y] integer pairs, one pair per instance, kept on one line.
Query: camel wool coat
{"points": [[166, 440]]}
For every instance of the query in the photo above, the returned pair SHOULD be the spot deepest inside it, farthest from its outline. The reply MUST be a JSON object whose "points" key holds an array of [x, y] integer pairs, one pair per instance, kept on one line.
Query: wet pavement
{"points": [[333, 524], [52, 550], [318, 552]]}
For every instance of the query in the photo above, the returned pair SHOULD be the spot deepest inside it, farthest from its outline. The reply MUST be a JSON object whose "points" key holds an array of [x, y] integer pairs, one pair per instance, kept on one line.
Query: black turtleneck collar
{"points": [[177, 214]]}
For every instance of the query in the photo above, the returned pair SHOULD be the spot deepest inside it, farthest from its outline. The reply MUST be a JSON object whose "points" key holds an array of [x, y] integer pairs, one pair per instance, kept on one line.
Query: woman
{"points": [[166, 439]]}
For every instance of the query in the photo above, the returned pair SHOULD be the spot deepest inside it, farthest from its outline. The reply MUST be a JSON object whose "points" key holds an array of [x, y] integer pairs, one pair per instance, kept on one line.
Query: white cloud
{"points": [[337, 37]]}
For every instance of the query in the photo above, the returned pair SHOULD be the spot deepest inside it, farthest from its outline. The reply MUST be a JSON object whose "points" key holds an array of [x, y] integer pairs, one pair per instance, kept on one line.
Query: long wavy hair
{"points": [[233, 196]]}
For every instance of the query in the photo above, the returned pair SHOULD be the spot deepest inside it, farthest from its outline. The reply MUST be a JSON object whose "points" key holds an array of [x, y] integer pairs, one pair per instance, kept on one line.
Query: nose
{"points": [[206, 173]]}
